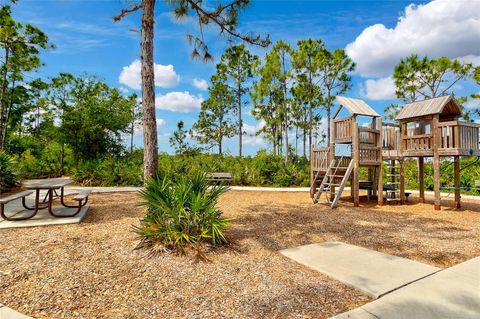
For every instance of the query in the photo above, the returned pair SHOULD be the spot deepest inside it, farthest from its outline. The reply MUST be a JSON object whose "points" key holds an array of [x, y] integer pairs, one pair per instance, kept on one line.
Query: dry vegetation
{"points": [[91, 270]]}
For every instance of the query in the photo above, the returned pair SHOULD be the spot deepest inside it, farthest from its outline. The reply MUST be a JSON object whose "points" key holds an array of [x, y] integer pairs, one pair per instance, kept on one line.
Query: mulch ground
{"points": [[91, 270]]}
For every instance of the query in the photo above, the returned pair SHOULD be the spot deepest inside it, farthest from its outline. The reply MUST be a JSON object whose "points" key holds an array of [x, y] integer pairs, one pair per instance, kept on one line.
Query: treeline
{"points": [[286, 91]]}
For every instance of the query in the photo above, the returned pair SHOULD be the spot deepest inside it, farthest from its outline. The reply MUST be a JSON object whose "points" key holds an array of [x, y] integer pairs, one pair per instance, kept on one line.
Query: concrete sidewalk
{"points": [[7, 313], [450, 293], [370, 271]]}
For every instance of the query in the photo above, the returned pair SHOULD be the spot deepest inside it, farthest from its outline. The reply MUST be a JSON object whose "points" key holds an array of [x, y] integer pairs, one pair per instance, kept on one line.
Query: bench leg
{"points": [[34, 209], [37, 199], [62, 200], [78, 208]]}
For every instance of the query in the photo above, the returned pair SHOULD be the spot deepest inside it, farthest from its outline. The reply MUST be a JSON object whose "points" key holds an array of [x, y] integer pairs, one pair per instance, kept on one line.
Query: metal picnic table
{"points": [[51, 185]]}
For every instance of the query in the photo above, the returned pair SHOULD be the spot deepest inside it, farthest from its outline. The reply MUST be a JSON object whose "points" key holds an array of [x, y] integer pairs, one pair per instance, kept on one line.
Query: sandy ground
{"points": [[90, 270]]}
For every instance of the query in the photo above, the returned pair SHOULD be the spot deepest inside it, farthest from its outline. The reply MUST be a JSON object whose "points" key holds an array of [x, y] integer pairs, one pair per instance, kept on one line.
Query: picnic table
{"points": [[51, 185]]}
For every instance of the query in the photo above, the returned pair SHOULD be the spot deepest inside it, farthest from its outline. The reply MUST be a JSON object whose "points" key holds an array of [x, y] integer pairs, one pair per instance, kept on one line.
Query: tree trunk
{"points": [[132, 131], [305, 135], [310, 111], [240, 124], [328, 119], [150, 143], [220, 136], [3, 123]]}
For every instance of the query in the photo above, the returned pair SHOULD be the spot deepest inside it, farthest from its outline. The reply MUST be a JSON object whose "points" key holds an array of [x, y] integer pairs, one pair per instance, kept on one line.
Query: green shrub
{"points": [[8, 177], [181, 213]]}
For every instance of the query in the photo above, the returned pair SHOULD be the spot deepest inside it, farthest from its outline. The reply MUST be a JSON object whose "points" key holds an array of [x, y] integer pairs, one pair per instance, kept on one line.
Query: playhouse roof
{"points": [[445, 105], [356, 106]]}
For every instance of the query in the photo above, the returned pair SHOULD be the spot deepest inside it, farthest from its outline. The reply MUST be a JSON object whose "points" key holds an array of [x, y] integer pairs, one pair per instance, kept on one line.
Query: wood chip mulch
{"points": [[91, 270]]}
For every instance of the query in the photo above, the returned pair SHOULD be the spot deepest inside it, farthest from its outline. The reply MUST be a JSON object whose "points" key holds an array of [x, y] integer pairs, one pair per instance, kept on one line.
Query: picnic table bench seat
{"points": [[7, 199], [82, 195], [219, 177]]}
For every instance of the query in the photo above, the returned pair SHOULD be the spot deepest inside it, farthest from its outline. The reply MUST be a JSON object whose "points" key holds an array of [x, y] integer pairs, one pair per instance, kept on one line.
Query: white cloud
{"points": [[439, 28], [165, 76], [251, 137], [160, 123], [253, 140], [472, 104], [253, 129], [200, 84], [379, 89], [179, 102]]}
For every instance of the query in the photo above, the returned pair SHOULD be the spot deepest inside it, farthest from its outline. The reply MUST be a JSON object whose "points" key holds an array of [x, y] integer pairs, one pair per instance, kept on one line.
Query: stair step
{"points": [[393, 199]]}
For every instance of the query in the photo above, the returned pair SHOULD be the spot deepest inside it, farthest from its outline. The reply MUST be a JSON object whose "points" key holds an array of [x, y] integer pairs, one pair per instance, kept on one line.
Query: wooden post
{"points": [[436, 162], [331, 157], [380, 165], [421, 179], [402, 181], [356, 160], [312, 175], [456, 173]]}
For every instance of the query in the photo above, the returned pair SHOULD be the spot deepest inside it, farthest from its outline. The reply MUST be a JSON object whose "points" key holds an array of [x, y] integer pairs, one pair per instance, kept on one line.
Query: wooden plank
{"points": [[436, 163], [421, 179], [356, 166], [456, 177], [379, 170]]}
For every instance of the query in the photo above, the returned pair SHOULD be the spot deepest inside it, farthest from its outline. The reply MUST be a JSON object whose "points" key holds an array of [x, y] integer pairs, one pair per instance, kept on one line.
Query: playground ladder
{"points": [[392, 187], [329, 181]]}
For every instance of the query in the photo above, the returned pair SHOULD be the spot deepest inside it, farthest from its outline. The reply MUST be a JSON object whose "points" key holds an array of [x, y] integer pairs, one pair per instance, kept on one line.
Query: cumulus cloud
{"points": [[200, 84], [165, 76], [253, 129], [253, 140], [380, 89], [251, 137], [161, 122], [472, 104], [438, 28], [183, 102]]}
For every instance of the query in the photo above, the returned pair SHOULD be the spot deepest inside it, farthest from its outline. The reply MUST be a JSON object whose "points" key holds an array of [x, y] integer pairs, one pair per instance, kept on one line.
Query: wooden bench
{"points": [[8, 199], [217, 178]]}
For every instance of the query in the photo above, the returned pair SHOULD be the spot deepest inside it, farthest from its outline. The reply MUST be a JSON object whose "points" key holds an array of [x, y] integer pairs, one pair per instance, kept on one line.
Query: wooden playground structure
{"points": [[425, 129]]}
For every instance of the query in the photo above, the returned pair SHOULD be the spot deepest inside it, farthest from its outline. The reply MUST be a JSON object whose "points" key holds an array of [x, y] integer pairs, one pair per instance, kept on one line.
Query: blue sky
{"points": [[376, 34]]}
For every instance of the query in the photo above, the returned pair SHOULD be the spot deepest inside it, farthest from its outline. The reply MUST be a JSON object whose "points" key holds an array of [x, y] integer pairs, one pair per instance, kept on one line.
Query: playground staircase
{"points": [[392, 186], [331, 181]]}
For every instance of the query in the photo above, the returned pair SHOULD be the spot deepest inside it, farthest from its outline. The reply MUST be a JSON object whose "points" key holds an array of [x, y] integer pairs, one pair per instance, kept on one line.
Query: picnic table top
{"points": [[48, 183]]}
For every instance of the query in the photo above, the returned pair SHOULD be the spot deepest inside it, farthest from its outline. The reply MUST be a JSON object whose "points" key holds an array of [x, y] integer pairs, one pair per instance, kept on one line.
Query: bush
{"points": [[8, 177], [181, 213]]}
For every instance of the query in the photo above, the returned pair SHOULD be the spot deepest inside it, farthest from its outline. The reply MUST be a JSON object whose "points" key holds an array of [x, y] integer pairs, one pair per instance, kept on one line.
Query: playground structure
{"points": [[426, 129]]}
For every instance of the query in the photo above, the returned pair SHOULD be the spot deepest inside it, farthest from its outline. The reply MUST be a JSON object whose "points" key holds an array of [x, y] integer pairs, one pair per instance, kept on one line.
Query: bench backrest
{"points": [[220, 176]]}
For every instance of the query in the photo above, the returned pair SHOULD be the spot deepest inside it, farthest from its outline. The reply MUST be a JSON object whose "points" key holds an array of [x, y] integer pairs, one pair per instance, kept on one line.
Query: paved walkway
{"points": [[370, 271], [7, 313], [450, 293]]}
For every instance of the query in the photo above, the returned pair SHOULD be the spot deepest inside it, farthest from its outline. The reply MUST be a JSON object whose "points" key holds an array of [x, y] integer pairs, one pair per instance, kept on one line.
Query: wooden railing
{"points": [[422, 142], [342, 161], [320, 159], [459, 135], [342, 129], [390, 138], [367, 135], [369, 155]]}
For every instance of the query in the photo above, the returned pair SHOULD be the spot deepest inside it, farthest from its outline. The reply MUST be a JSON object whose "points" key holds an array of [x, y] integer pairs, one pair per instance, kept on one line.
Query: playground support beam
{"points": [[421, 179], [436, 162], [456, 172], [379, 170], [356, 163]]}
